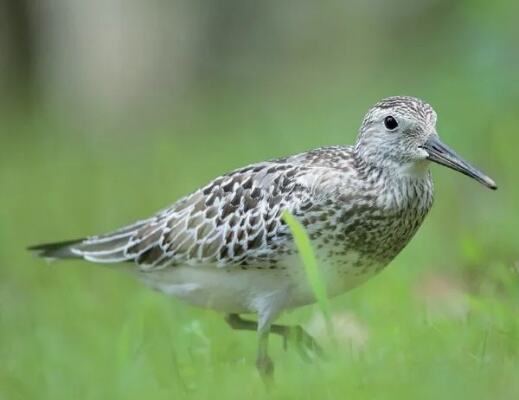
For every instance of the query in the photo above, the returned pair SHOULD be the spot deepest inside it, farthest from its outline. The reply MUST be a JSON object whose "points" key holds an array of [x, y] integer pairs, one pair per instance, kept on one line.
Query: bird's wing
{"points": [[234, 220]]}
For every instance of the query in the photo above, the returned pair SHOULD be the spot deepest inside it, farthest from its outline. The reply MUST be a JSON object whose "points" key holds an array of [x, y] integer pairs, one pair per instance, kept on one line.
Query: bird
{"points": [[227, 247]]}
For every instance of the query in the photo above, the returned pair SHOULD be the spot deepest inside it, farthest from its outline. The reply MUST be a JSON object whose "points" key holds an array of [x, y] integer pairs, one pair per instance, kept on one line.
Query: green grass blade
{"points": [[313, 274]]}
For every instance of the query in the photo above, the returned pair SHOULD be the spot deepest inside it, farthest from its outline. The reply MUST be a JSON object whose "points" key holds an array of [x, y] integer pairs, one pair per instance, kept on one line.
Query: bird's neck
{"points": [[412, 170], [390, 168], [405, 185]]}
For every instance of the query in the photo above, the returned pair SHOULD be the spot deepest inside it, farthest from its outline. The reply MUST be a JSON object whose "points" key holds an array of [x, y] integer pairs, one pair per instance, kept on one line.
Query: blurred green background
{"points": [[110, 110]]}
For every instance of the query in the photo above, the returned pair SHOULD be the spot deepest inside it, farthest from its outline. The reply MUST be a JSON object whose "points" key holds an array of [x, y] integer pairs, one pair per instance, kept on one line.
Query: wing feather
{"points": [[234, 220]]}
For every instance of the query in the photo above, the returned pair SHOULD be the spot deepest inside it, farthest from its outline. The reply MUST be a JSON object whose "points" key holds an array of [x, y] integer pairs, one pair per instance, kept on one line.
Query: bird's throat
{"points": [[414, 169]]}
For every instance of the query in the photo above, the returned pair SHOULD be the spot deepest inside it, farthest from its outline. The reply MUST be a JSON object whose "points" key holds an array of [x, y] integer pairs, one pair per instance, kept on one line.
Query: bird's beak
{"points": [[441, 154]]}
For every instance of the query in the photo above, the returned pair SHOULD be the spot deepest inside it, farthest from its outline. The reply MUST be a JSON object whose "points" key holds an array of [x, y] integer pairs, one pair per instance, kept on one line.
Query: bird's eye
{"points": [[390, 123]]}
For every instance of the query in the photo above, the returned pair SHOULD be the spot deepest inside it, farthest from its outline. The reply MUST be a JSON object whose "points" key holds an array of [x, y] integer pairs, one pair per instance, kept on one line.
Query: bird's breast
{"points": [[360, 236]]}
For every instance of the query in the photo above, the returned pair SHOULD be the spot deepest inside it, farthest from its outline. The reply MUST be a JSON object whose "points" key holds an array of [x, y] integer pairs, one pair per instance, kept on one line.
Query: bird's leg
{"points": [[238, 323], [303, 341], [263, 361]]}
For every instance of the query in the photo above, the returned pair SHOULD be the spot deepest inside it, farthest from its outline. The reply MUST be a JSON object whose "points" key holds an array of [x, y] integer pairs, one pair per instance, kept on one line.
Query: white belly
{"points": [[251, 290], [227, 290]]}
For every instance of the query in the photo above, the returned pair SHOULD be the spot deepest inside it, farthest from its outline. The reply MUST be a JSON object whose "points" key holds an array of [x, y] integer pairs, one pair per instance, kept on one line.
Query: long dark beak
{"points": [[441, 154]]}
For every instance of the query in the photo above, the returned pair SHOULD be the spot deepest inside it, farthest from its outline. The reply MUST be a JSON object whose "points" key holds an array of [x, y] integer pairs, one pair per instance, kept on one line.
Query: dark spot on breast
{"points": [[306, 206], [346, 216], [349, 229]]}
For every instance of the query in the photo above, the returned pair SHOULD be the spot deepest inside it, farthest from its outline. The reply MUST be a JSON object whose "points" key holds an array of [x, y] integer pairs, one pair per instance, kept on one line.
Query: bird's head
{"points": [[399, 133]]}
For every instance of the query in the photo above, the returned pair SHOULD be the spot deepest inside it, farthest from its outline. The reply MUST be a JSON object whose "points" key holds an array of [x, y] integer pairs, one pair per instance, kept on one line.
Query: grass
{"points": [[440, 322], [306, 253]]}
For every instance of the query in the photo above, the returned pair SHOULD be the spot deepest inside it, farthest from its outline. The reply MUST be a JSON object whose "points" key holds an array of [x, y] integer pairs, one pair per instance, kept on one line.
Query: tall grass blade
{"points": [[313, 274]]}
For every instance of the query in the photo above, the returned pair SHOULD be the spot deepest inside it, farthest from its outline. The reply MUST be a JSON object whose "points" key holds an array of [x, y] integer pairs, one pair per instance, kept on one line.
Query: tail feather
{"points": [[109, 248], [57, 249], [103, 246], [102, 249]]}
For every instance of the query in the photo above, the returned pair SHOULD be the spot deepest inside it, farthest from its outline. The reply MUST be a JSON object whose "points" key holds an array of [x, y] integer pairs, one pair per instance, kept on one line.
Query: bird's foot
{"points": [[305, 344], [265, 367]]}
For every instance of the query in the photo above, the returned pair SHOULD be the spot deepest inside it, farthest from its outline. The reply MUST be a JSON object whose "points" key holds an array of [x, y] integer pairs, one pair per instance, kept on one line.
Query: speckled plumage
{"points": [[235, 221], [226, 247]]}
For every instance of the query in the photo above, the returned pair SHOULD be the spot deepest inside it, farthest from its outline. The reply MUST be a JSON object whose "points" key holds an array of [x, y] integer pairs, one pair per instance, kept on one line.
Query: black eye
{"points": [[390, 123]]}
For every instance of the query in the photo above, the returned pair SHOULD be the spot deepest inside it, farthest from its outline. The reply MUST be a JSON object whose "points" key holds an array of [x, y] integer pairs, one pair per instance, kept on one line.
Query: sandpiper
{"points": [[226, 246]]}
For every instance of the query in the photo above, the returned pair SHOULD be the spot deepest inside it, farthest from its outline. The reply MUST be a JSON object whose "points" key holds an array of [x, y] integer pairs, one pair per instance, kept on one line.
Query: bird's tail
{"points": [[109, 248], [57, 250]]}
